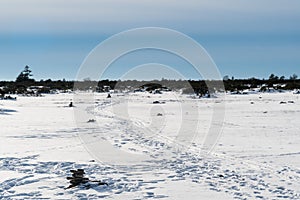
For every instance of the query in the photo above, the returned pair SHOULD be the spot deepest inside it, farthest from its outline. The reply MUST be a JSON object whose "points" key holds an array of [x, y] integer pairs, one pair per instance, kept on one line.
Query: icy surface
{"points": [[256, 157]]}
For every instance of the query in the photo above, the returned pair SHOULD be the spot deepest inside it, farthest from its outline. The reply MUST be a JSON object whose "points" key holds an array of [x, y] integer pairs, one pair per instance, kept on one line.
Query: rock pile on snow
{"points": [[78, 178]]}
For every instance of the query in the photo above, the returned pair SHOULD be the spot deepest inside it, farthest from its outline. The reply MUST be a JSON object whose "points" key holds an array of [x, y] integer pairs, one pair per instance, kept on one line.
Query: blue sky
{"points": [[244, 38]]}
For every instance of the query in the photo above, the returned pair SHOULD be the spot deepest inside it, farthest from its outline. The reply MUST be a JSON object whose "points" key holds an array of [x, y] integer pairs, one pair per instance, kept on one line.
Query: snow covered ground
{"points": [[256, 156]]}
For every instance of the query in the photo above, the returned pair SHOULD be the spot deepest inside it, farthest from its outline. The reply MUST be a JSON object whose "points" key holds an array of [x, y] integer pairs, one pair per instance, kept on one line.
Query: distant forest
{"points": [[25, 84]]}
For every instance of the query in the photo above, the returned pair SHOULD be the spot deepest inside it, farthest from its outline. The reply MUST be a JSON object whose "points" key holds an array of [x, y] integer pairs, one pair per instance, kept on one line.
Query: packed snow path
{"points": [[240, 178]]}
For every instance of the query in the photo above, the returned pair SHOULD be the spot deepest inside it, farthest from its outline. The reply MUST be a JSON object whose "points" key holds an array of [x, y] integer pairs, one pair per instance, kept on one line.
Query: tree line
{"points": [[24, 81]]}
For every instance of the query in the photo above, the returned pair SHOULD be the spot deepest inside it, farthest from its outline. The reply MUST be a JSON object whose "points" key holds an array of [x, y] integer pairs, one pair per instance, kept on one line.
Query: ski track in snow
{"points": [[238, 177], [219, 172]]}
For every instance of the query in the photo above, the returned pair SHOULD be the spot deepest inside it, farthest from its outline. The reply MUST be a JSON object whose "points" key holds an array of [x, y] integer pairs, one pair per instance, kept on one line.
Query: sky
{"points": [[244, 38]]}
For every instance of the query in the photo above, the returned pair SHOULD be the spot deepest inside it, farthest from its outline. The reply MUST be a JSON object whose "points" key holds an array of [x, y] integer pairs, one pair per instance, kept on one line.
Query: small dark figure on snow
{"points": [[71, 104], [108, 96], [78, 178]]}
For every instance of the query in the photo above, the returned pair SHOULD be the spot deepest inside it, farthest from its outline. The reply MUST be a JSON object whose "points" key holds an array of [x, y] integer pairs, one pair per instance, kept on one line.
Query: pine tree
{"points": [[24, 75]]}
